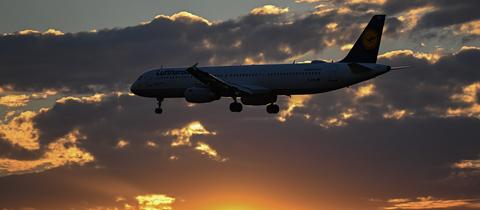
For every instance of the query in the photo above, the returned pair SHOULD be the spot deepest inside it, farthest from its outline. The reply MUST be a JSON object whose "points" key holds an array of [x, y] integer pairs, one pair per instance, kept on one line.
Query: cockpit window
{"points": [[140, 78]]}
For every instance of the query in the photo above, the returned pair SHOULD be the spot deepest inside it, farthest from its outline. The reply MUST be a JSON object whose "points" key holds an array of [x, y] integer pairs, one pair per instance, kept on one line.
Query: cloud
{"points": [[185, 16], [14, 100], [208, 150], [467, 164], [122, 143], [183, 138], [64, 151], [96, 98], [155, 201], [184, 134], [470, 98], [294, 102], [269, 10], [432, 203], [20, 130]]}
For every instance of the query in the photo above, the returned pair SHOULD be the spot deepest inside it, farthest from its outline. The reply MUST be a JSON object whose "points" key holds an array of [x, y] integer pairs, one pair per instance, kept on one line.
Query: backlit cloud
{"points": [[295, 101], [97, 97], [122, 143], [183, 138], [63, 151], [269, 10], [185, 16], [365, 90], [155, 202], [207, 150], [14, 100], [470, 97], [432, 203], [20, 130]]}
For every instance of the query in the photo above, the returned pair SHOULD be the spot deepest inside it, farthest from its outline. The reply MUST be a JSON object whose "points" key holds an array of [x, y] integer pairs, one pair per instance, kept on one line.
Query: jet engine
{"points": [[200, 95], [259, 99]]}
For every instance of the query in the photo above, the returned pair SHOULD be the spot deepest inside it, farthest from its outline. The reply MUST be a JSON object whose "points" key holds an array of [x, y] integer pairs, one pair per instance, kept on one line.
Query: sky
{"points": [[72, 136]]}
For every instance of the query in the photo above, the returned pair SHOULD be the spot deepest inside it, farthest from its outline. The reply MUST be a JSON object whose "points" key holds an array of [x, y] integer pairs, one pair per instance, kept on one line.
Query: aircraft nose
{"points": [[134, 88]]}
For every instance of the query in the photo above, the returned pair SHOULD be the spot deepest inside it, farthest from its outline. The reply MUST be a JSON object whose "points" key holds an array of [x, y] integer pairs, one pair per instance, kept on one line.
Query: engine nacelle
{"points": [[200, 95], [259, 100]]}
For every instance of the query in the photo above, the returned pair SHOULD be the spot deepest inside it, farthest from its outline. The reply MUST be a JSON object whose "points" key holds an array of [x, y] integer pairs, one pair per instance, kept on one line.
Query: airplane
{"points": [[261, 84]]}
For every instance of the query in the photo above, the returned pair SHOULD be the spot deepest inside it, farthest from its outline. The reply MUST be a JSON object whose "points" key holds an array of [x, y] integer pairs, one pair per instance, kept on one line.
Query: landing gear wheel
{"points": [[273, 109], [159, 110], [236, 107]]}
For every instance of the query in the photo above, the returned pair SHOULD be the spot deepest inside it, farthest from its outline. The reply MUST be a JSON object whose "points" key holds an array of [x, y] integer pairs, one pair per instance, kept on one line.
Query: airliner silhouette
{"points": [[262, 84]]}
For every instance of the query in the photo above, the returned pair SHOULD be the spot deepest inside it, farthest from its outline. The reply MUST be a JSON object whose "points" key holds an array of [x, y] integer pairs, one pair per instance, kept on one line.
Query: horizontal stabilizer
{"points": [[399, 67]]}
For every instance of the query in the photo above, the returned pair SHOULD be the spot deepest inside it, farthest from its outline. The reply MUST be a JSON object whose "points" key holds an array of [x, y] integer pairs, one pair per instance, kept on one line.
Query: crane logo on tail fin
{"points": [[370, 40]]}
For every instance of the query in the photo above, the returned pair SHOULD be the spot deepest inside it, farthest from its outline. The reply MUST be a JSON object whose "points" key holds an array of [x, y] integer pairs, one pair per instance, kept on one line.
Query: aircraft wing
{"points": [[218, 85]]}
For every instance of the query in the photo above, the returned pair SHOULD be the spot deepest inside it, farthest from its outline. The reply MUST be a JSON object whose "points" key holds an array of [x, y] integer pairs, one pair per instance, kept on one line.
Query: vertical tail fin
{"points": [[366, 47]]}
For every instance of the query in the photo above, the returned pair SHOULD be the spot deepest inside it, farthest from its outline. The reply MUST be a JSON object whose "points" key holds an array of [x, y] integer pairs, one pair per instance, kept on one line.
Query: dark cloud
{"points": [[449, 13], [113, 58]]}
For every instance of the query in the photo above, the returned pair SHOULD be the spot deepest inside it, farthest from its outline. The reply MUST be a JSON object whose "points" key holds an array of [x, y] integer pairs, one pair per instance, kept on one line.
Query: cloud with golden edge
{"points": [[184, 134], [207, 150], [151, 144], [155, 202], [365, 91], [411, 17], [472, 28], [14, 100], [183, 138], [20, 130], [397, 114], [96, 98], [50, 31], [346, 47], [340, 119], [63, 151], [468, 96], [294, 102], [430, 202], [430, 57], [269, 10], [122, 144], [467, 165], [185, 16], [19, 100]]}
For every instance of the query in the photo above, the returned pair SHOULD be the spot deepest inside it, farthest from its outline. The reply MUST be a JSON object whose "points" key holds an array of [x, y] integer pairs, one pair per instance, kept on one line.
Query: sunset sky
{"points": [[72, 136]]}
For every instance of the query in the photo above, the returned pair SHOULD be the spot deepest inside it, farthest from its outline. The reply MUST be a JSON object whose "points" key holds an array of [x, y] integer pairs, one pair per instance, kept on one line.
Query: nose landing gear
{"points": [[159, 110]]}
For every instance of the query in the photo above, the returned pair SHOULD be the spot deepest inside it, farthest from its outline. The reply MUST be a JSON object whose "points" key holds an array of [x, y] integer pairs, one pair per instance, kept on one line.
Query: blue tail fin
{"points": [[366, 47]]}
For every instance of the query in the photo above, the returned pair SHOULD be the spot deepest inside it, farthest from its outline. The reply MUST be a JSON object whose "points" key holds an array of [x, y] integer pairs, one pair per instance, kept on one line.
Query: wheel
{"points": [[273, 109], [236, 107], [158, 111]]}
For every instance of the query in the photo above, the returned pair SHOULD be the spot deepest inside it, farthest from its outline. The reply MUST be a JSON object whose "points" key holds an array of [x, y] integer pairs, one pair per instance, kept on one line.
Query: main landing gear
{"points": [[235, 106], [273, 109], [159, 110]]}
